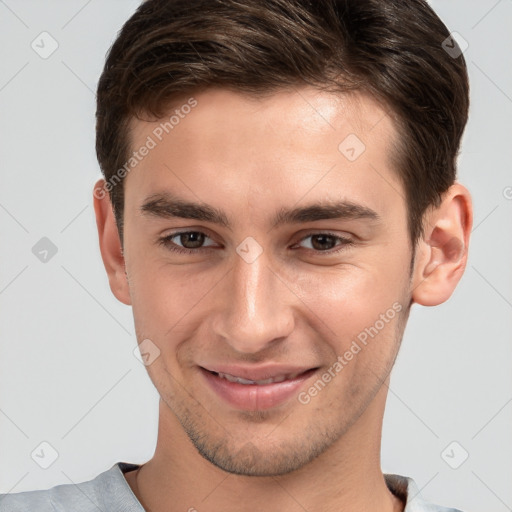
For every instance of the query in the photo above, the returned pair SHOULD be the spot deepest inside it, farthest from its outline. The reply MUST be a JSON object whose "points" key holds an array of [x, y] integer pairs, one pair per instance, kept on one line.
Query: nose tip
{"points": [[255, 311]]}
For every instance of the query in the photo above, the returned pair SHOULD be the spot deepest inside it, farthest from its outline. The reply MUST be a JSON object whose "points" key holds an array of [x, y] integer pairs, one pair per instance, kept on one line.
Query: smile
{"points": [[255, 394], [271, 380]]}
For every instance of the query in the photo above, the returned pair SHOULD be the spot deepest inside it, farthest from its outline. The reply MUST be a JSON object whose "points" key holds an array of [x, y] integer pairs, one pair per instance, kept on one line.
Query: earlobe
{"points": [[110, 244], [443, 251]]}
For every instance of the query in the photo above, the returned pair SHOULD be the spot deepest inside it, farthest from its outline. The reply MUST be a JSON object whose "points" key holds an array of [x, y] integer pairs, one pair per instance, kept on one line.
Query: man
{"points": [[279, 190]]}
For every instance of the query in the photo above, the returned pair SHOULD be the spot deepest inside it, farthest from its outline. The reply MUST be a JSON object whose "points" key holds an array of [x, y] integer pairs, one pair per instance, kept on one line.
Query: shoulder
{"points": [[81, 497], [406, 489], [107, 489]]}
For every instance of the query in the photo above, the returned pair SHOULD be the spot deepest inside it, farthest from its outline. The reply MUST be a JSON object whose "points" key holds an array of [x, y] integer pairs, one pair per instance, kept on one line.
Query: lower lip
{"points": [[255, 397]]}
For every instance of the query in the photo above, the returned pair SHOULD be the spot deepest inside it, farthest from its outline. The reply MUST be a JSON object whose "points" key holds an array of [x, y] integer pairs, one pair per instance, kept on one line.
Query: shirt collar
{"points": [[401, 486]]}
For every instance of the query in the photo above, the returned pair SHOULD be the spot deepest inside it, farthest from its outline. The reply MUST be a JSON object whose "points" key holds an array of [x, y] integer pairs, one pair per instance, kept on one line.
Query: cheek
{"points": [[355, 307], [350, 293], [164, 297]]}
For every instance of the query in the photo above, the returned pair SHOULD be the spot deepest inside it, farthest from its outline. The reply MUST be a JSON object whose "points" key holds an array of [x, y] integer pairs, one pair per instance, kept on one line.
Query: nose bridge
{"points": [[256, 309]]}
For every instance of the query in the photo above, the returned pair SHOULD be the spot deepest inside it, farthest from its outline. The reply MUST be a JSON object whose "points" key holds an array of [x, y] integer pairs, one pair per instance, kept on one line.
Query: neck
{"points": [[345, 477]]}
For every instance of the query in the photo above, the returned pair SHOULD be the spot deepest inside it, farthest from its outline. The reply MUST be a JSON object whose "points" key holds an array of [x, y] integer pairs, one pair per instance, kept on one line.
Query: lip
{"points": [[256, 372], [255, 397]]}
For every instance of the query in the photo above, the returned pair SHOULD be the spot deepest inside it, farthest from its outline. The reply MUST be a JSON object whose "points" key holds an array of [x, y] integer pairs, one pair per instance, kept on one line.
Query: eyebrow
{"points": [[167, 206]]}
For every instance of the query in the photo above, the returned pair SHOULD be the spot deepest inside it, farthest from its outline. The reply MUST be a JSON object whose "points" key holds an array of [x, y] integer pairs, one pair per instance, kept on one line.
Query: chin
{"points": [[264, 459]]}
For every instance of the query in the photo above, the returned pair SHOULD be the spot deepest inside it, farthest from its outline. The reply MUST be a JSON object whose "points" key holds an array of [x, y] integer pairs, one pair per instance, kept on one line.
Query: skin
{"points": [[294, 304]]}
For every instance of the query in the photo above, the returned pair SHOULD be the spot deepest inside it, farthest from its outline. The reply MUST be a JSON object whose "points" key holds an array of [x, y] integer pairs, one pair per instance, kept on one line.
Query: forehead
{"points": [[234, 148], [286, 109]]}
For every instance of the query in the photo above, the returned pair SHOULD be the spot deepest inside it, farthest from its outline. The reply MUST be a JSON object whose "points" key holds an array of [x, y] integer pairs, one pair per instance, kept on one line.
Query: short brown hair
{"points": [[392, 49]]}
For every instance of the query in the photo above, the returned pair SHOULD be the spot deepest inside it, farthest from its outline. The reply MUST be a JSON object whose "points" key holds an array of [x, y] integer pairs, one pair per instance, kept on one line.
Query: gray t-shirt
{"points": [[110, 492]]}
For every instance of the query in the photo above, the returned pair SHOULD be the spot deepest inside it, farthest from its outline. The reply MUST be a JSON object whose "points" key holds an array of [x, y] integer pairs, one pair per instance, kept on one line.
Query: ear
{"points": [[110, 244], [441, 254]]}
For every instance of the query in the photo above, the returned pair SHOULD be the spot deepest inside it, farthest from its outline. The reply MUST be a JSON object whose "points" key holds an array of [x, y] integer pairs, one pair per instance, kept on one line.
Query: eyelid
{"points": [[345, 240], [167, 238]]}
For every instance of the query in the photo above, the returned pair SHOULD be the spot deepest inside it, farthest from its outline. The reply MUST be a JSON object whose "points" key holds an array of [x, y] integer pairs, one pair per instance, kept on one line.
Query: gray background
{"points": [[68, 375]]}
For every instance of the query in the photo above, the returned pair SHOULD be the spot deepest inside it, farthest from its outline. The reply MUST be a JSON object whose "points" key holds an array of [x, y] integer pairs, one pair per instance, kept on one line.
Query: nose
{"points": [[256, 307]]}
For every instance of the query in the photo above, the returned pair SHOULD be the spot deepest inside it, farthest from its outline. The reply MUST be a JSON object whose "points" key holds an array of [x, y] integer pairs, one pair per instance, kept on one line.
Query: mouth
{"points": [[271, 380], [253, 394]]}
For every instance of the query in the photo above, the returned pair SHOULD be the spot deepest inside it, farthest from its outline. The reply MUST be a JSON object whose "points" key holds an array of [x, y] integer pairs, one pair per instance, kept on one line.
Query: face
{"points": [[267, 239]]}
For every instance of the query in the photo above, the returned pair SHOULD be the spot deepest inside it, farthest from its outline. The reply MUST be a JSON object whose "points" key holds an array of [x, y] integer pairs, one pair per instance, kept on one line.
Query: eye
{"points": [[325, 242], [190, 241], [193, 242]]}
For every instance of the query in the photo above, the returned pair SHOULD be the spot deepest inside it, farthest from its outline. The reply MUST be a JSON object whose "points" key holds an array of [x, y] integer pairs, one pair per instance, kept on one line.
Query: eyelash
{"points": [[166, 242]]}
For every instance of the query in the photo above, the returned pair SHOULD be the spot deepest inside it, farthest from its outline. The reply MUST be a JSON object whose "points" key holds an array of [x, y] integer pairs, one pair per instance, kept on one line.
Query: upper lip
{"points": [[268, 371]]}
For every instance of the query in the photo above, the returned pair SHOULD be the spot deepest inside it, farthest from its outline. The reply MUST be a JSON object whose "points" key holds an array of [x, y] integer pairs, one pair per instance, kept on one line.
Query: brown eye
{"points": [[192, 240], [323, 242], [326, 242], [186, 242]]}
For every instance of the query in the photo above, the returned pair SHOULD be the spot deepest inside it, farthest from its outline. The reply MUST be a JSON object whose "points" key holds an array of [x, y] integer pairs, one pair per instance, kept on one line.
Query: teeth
{"points": [[271, 380]]}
